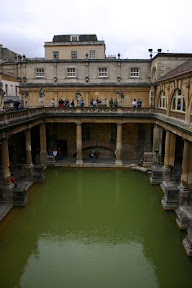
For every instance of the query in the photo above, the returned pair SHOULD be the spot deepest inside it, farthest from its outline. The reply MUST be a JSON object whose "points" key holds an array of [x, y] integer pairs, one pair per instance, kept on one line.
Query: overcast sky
{"points": [[127, 27]]}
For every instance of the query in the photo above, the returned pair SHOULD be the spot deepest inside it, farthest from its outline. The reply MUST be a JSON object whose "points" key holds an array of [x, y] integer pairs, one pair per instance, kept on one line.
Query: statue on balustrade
{"points": [[2, 94], [120, 97], [77, 97]]}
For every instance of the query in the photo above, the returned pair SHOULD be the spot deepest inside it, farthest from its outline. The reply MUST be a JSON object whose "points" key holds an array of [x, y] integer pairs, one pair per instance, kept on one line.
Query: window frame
{"points": [[103, 72], [134, 72], [178, 97], [74, 38], [72, 73], [40, 73], [162, 100], [55, 54], [73, 54], [92, 54]]}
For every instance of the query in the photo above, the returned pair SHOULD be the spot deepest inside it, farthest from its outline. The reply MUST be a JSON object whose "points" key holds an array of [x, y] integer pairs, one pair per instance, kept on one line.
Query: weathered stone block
{"points": [[187, 242], [157, 175], [20, 197], [171, 196], [184, 214]]}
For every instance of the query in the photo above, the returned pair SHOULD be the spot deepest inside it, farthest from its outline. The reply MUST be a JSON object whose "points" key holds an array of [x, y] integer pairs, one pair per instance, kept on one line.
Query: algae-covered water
{"points": [[93, 228]]}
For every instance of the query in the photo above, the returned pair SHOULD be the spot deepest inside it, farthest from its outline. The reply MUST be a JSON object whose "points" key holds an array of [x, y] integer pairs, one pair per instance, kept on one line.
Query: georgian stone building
{"points": [[158, 133]]}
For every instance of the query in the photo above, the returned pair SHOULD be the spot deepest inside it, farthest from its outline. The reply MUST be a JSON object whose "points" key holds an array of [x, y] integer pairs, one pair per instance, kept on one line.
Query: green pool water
{"points": [[93, 228]]}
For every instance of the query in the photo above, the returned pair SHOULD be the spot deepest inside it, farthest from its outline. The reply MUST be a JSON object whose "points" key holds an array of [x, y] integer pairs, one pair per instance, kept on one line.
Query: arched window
{"points": [[178, 101], [162, 100]]}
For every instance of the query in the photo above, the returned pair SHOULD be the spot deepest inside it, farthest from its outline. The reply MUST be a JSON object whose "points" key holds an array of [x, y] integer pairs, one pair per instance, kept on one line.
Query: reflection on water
{"points": [[93, 228]]}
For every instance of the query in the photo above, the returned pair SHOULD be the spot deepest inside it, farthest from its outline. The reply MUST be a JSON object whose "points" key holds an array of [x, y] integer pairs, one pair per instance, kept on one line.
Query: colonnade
{"points": [[169, 160], [43, 149]]}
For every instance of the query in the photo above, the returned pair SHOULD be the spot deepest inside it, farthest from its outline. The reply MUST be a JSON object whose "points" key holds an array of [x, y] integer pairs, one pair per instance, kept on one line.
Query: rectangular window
{"points": [[102, 72], [71, 72], [73, 54], [40, 73], [74, 38], [92, 54], [134, 72], [55, 54]]}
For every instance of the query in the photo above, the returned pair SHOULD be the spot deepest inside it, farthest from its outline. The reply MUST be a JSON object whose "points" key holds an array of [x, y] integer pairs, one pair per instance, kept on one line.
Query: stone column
{"points": [[166, 168], [118, 161], [79, 161], [184, 187], [185, 163], [28, 147], [172, 149], [5, 161], [29, 164], [190, 166], [7, 185], [43, 144]]}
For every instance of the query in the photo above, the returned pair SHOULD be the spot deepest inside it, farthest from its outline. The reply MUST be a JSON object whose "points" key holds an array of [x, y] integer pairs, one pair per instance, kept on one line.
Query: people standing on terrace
{"points": [[52, 103], [91, 102], [106, 102], [111, 102], [82, 102], [94, 103], [73, 103], [139, 103], [134, 103], [61, 102]]}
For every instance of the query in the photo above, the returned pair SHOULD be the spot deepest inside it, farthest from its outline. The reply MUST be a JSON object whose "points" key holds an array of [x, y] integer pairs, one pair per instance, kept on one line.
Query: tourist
{"points": [[82, 102], [139, 103], [52, 103], [66, 103], [59, 155], [73, 103], [106, 102], [13, 180], [61, 102], [94, 103], [91, 102], [55, 153], [111, 103], [50, 152], [134, 103]]}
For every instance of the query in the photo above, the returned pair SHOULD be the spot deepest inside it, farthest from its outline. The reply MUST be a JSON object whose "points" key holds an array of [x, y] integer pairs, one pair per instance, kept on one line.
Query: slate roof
{"points": [[82, 38], [180, 70]]}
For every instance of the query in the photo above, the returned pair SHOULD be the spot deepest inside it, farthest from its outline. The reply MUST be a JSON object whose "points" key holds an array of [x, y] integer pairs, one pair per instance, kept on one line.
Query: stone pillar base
{"points": [[7, 192], [20, 197], [185, 193], [171, 195], [157, 175], [184, 214], [29, 171], [79, 163], [38, 173], [187, 242], [50, 161], [118, 163]]}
